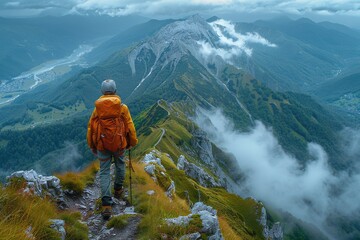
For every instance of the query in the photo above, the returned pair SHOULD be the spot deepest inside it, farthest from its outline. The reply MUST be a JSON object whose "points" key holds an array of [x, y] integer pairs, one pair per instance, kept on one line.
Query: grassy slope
{"points": [[296, 119], [237, 215], [19, 210]]}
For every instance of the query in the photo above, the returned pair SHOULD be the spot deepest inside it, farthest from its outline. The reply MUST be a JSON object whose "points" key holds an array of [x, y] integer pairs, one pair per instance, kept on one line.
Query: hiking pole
{"points": [[130, 170]]}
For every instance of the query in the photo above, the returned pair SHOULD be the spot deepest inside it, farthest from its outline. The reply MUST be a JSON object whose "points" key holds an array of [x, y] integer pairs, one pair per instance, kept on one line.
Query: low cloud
{"points": [[231, 43], [276, 178], [12, 4], [64, 159]]}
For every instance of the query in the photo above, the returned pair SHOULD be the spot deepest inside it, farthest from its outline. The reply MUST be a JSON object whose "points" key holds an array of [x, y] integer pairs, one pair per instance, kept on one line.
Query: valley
{"points": [[223, 106], [44, 73]]}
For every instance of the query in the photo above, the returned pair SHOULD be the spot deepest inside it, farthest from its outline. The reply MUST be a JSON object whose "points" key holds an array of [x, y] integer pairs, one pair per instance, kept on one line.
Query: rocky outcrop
{"points": [[174, 41], [59, 226], [151, 158], [204, 148], [191, 236], [208, 216], [275, 232], [156, 170], [197, 173], [40, 185]]}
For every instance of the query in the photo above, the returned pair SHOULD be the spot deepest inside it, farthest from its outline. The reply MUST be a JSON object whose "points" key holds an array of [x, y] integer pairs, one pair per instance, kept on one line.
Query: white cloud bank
{"points": [[275, 177], [345, 11], [169, 7], [231, 43]]}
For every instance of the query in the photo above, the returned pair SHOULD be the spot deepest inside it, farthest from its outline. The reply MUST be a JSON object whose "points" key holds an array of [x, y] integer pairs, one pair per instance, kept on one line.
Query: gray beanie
{"points": [[108, 86]]}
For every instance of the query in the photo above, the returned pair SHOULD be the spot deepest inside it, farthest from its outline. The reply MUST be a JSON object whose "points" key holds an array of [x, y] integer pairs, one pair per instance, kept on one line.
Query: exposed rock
{"points": [[59, 226], [208, 217], [179, 221], [41, 185], [171, 190], [154, 167], [200, 206], [150, 169], [203, 146], [151, 157], [192, 236], [275, 232], [174, 41], [80, 206], [181, 162], [29, 233], [196, 173], [129, 210], [150, 192]]}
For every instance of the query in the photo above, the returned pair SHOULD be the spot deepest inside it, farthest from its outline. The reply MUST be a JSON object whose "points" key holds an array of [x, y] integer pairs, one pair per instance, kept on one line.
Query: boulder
{"points": [[150, 192], [192, 236], [171, 190], [208, 218], [151, 157], [203, 147], [150, 169], [41, 185], [179, 221], [197, 173], [275, 232], [59, 226]]}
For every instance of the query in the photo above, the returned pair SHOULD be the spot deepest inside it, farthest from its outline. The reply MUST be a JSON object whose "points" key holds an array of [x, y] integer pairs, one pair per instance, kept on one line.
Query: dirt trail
{"points": [[86, 204]]}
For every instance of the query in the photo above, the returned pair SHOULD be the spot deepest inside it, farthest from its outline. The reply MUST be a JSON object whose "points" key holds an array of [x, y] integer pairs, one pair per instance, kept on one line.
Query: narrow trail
{"points": [[158, 102], [86, 205], [162, 135]]}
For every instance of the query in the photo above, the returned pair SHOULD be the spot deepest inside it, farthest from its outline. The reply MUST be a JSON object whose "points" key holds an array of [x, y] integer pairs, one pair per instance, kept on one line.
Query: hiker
{"points": [[110, 131]]}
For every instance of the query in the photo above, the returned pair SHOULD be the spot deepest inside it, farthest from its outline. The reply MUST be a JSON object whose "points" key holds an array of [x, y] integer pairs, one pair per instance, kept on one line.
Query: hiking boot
{"points": [[118, 193], [106, 212]]}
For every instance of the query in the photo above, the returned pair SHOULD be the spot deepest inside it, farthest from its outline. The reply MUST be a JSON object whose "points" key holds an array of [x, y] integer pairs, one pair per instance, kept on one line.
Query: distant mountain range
{"points": [[28, 42]]}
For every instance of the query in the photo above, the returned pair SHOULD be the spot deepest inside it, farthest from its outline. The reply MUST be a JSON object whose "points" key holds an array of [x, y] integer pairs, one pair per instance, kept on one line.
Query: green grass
{"points": [[118, 222], [162, 177], [19, 211], [241, 214], [77, 181], [153, 209], [175, 231], [147, 142], [75, 230]]}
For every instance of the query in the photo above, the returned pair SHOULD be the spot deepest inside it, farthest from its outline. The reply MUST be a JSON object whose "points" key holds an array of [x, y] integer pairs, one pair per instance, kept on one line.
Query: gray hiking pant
{"points": [[105, 177]]}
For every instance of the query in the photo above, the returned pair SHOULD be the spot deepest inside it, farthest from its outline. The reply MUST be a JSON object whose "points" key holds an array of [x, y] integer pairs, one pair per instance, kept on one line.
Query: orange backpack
{"points": [[111, 127]]}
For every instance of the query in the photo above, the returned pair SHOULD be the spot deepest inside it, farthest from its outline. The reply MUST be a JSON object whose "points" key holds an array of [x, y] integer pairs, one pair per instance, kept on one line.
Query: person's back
{"points": [[110, 131]]}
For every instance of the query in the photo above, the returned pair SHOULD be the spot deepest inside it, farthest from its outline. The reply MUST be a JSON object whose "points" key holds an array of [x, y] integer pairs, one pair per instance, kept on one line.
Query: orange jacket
{"points": [[93, 125]]}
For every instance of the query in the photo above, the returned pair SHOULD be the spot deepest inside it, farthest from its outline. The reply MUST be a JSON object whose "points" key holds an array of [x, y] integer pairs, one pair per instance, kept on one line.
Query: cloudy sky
{"points": [[344, 11]]}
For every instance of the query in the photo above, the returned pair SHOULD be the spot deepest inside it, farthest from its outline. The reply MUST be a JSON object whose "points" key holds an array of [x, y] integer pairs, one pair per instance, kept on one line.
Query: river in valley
{"points": [[43, 73]]}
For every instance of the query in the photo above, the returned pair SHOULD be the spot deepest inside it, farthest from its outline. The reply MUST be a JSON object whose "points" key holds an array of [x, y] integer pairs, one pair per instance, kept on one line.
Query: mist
{"points": [[64, 159], [311, 193], [231, 43]]}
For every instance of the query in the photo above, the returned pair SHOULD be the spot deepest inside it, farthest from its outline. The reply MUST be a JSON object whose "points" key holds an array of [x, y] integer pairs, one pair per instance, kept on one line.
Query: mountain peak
{"points": [[195, 17], [305, 20], [212, 19], [175, 40]]}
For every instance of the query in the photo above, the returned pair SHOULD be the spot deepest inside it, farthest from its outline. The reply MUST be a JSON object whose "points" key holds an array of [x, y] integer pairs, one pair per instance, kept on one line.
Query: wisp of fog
{"points": [[276, 177]]}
